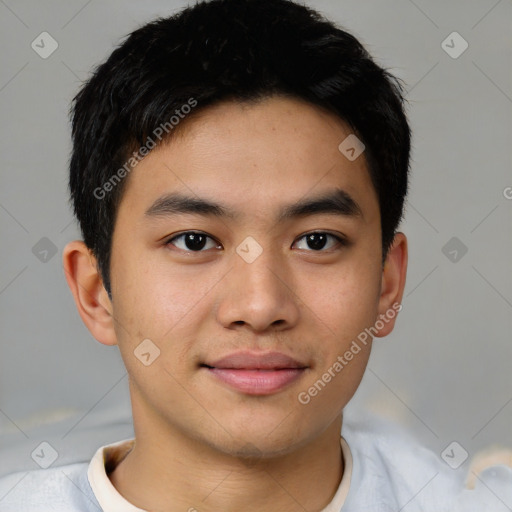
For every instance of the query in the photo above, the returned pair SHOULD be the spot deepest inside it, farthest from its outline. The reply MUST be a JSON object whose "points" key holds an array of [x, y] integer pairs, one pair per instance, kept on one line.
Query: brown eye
{"points": [[192, 241], [319, 240]]}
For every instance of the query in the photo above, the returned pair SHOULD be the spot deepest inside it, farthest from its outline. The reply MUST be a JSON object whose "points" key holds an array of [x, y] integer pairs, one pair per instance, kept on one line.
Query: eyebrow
{"points": [[336, 202]]}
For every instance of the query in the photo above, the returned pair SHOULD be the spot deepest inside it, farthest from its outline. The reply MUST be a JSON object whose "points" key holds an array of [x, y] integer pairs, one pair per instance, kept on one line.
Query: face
{"points": [[249, 301]]}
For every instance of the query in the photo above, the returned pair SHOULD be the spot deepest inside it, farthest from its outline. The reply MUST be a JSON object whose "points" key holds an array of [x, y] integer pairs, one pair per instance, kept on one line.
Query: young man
{"points": [[239, 172]]}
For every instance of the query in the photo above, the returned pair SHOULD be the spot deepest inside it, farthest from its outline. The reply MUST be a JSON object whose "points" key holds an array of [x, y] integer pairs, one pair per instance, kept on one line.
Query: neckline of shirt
{"points": [[110, 500]]}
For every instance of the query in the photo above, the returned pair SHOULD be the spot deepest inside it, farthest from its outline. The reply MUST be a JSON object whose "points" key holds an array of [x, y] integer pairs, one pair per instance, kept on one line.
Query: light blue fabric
{"points": [[391, 472], [59, 489]]}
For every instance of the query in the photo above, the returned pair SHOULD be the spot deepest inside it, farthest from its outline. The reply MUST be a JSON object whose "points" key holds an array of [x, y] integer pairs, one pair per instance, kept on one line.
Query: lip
{"points": [[256, 374], [256, 361]]}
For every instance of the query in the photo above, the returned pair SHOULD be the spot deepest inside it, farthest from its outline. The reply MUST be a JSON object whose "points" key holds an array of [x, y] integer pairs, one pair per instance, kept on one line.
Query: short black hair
{"points": [[221, 50]]}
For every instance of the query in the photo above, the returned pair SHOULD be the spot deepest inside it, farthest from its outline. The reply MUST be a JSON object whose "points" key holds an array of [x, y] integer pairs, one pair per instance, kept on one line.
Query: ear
{"points": [[392, 285], [91, 298]]}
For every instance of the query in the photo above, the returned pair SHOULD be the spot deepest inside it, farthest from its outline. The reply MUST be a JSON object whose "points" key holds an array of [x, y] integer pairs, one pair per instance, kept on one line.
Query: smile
{"points": [[256, 373]]}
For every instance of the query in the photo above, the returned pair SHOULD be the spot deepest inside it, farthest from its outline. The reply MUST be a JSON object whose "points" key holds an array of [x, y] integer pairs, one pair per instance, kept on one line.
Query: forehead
{"points": [[253, 157]]}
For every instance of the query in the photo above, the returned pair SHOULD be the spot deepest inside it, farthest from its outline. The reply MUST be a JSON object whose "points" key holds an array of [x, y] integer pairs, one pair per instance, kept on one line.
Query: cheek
{"points": [[333, 386], [344, 301], [164, 304], [155, 303]]}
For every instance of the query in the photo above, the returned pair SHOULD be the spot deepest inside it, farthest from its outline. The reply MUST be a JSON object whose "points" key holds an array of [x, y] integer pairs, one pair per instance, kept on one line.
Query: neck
{"points": [[171, 472]]}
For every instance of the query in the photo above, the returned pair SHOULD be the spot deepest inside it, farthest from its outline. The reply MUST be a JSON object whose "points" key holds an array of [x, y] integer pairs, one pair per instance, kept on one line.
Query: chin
{"points": [[263, 444]]}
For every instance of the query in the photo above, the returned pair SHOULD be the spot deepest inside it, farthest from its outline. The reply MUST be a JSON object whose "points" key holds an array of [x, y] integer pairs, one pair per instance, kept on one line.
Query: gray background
{"points": [[444, 373]]}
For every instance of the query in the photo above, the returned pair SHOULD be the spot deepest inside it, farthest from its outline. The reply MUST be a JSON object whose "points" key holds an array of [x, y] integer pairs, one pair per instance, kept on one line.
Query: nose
{"points": [[259, 294]]}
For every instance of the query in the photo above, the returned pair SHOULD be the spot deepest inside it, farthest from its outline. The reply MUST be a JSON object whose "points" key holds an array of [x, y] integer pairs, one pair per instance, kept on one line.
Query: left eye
{"points": [[193, 241], [318, 240]]}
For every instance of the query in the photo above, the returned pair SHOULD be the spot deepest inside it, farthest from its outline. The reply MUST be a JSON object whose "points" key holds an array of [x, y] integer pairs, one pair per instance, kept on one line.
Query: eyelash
{"points": [[340, 240]]}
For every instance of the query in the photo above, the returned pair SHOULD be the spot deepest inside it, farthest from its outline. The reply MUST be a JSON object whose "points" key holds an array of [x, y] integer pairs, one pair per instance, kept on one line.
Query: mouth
{"points": [[256, 374]]}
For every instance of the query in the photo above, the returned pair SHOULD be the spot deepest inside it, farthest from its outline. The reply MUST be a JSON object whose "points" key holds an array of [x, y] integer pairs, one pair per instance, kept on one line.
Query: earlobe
{"points": [[91, 298], [392, 285]]}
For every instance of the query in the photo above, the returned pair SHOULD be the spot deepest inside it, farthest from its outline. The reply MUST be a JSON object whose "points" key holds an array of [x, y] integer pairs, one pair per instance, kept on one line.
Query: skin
{"points": [[199, 443]]}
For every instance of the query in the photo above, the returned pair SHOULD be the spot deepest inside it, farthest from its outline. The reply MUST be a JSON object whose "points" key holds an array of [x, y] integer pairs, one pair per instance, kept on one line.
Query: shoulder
{"points": [[64, 488], [397, 472]]}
